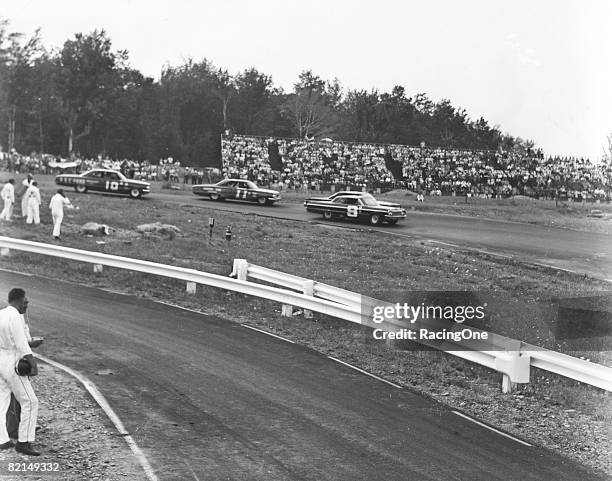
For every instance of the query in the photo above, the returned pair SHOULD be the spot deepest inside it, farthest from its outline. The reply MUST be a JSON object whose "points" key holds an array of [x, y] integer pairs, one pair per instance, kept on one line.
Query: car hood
{"points": [[268, 191]]}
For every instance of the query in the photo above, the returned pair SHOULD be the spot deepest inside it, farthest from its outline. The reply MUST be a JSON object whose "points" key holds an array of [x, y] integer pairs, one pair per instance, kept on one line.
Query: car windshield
{"points": [[250, 185], [367, 199]]}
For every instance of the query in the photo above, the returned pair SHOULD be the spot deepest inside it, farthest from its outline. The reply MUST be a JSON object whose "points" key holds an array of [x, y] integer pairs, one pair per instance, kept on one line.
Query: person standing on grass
{"points": [[58, 201], [8, 196], [33, 195], [14, 346], [26, 183]]}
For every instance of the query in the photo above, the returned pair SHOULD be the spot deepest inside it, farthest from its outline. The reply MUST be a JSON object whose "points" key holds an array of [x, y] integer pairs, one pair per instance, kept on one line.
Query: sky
{"points": [[540, 70]]}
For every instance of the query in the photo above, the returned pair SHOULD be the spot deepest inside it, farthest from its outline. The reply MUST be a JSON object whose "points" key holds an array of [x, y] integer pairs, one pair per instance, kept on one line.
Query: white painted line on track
{"points": [[443, 243], [490, 428], [17, 272], [103, 403], [365, 372], [268, 333]]}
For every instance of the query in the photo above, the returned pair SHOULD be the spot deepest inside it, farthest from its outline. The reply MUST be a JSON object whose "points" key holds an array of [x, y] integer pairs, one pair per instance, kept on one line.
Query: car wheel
{"points": [[135, 193], [262, 200], [214, 196], [392, 221], [81, 188], [374, 219], [327, 215]]}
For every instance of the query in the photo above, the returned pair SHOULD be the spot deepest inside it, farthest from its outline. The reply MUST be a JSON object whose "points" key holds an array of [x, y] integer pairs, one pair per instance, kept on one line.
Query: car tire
{"points": [[375, 219], [80, 188], [135, 193], [262, 200], [327, 215], [215, 196]]}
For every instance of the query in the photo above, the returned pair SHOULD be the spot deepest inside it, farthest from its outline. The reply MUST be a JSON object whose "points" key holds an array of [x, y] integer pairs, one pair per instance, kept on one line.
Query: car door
{"points": [[353, 207], [112, 182], [243, 191], [228, 190]]}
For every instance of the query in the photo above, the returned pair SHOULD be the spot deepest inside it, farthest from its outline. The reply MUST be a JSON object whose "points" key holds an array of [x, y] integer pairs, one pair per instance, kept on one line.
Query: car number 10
{"points": [[112, 185]]}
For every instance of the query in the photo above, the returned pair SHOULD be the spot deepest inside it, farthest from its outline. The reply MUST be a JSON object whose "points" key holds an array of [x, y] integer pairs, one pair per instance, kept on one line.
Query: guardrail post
{"points": [[308, 290], [97, 268], [240, 270], [4, 251], [515, 368], [191, 288], [287, 310]]}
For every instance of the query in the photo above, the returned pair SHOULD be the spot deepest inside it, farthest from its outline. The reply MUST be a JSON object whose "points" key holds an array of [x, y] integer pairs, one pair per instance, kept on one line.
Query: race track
{"points": [[209, 399], [582, 252]]}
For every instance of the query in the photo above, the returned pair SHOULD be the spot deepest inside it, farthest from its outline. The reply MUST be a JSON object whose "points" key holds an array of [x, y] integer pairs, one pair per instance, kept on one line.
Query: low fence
{"points": [[510, 357]]}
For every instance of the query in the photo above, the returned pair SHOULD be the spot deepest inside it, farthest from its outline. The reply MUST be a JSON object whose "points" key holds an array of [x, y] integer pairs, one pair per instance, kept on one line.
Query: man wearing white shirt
{"points": [[33, 196], [26, 183], [58, 201], [14, 346], [8, 196]]}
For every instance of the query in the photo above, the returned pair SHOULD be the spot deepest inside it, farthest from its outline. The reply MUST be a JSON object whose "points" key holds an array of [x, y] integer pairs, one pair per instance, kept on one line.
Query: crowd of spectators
{"points": [[166, 170], [319, 165], [326, 164]]}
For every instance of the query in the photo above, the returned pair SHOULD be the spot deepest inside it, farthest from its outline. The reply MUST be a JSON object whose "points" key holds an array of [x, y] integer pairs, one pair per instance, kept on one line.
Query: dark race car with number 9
{"points": [[104, 180], [237, 189], [356, 205]]}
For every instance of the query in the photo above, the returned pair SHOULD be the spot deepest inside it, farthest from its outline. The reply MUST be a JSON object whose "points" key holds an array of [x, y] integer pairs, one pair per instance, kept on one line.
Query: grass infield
{"points": [[360, 259]]}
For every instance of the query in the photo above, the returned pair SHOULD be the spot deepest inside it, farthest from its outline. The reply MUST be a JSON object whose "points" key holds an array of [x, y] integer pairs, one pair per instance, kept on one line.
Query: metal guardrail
{"points": [[511, 358], [508, 356]]}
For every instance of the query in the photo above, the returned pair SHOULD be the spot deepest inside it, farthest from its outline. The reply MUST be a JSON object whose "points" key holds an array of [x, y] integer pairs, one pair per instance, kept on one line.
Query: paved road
{"points": [[582, 252], [208, 399]]}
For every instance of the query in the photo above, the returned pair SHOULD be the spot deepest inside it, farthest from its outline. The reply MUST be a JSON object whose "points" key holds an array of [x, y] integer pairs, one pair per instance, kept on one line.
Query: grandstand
{"points": [[328, 165]]}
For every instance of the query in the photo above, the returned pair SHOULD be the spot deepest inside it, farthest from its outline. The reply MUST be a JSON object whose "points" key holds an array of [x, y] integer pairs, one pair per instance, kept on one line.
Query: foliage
{"points": [[85, 99]]}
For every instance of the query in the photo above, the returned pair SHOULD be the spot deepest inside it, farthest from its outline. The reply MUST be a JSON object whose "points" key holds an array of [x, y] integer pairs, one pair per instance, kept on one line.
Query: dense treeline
{"points": [[85, 99]]}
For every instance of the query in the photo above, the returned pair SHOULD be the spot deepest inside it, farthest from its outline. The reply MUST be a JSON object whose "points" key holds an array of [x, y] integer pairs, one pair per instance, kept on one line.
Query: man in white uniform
{"points": [[26, 183], [8, 196], [33, 195], [58, 201], [14, 346]]}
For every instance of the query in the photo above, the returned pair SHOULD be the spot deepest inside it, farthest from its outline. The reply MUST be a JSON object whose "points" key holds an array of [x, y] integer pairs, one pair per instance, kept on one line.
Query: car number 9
{"points": [[351, 211]]}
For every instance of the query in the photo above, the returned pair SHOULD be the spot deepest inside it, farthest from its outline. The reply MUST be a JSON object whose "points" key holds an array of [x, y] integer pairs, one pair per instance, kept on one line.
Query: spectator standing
{"points": [[33, 196], [8, 196], [26, 183], [14, 346], [58, 201]]}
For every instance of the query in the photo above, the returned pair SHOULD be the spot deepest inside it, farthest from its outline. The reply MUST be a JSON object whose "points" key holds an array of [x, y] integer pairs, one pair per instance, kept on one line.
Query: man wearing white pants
{"points": [[26, 183], [14, 346], [58, 201], [33, 195], [8, 197]]}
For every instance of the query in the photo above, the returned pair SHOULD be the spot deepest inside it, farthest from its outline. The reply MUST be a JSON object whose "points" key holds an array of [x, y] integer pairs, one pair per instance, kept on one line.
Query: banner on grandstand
{"points": [[276, 161], [394, 166], [63, 165]]}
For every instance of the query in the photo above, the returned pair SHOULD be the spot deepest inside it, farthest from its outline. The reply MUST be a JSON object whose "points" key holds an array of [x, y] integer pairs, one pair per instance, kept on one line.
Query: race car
{"points": [[104, 180], [355, 205], [237, 189]]}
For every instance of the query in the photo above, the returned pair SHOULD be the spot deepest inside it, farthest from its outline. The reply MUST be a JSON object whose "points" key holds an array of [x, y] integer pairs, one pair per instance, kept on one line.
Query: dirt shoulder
{"points": [[76, 438]]}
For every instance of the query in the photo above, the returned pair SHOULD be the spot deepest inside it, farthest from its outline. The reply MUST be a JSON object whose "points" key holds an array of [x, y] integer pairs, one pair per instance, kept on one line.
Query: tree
{"points": [[308, 109], [252, 110], [607, 151], [88, 76]]}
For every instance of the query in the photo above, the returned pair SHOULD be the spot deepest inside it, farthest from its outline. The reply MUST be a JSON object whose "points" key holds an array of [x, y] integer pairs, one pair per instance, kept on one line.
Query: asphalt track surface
{"points": [[209, 399], [582, 252]]}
